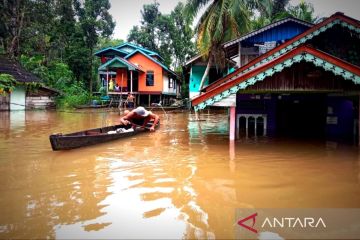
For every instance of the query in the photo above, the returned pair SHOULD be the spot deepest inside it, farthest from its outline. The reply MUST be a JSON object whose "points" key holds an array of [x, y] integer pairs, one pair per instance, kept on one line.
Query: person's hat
{"points": [[141, 111]]}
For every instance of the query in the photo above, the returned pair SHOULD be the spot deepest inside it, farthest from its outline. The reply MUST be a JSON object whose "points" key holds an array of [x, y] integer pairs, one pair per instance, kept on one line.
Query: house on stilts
{"points": [[131, 68], [293, 79]]}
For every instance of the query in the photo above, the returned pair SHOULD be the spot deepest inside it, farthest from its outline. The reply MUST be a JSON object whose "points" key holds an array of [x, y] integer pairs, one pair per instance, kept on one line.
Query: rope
{"points": [[167, 118]]}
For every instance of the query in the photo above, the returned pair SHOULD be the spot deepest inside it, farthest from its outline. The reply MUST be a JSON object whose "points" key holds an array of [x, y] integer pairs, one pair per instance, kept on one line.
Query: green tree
{"points": [[95, 21], [145, 34], [278, 9], [168, 34], [7, 83], [55, 38], [222, 20], [303, 11], [108, 42], [181, 36]]}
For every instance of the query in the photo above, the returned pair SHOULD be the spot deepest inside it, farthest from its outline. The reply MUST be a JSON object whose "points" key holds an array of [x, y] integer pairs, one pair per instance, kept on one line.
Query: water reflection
{"points": [[183, 181]]}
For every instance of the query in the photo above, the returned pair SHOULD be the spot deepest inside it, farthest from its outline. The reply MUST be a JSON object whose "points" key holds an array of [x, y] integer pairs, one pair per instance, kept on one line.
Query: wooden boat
{"points": [[61, 141]]}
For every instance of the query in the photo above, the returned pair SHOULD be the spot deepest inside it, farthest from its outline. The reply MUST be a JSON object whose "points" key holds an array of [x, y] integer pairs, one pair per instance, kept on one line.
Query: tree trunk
{"points": [[18, 19], [206, 73]]}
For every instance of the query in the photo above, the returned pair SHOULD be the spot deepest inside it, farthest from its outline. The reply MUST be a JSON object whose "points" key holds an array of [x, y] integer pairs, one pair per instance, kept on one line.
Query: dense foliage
{"points": [[168, 34], [7, 84], [56, 39]]}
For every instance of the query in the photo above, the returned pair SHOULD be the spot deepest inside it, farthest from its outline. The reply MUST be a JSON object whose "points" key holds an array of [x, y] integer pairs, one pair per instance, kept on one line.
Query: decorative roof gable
{"points": [[119, 62], [335, 19], [302, 53]]}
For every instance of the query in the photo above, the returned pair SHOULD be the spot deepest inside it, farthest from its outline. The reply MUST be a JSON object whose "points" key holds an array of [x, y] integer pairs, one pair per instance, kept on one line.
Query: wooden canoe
{"points": [[61, 141]]}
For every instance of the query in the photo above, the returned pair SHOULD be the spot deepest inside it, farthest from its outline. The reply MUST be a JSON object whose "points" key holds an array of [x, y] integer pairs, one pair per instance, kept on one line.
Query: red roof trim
{"points": [[300, 50], [333, 17]]}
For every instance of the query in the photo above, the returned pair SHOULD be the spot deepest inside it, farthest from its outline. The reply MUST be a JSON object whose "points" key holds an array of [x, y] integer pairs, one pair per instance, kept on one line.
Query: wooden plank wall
{"points": [[305, 77], [44, 102], [4, 103]]}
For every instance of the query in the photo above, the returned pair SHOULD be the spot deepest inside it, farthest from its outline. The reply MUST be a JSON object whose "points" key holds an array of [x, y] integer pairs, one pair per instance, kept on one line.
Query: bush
{"points": [[74, 95], [58, 75], [7, 83]]}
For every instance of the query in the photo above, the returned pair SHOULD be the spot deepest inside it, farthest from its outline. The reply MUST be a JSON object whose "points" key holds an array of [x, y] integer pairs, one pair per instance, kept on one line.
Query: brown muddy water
{"points": [[183, 181]]}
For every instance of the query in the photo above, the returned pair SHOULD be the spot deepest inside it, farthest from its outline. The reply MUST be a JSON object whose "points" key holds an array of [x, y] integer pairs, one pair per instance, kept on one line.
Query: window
{"points": [[150, 78], [170, 83]]}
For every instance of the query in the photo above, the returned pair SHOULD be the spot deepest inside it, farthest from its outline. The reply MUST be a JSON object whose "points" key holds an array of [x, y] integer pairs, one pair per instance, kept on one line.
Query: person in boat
{"points": [[139, 116]]}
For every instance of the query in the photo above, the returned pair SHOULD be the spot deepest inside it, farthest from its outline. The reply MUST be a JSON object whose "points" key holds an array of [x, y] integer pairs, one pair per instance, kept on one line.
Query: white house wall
{"points": [[166, 89], [17, 98]]}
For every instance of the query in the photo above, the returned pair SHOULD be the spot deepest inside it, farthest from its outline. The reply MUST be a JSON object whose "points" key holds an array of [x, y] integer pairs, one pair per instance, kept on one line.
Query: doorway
{"points": [[301, 116]]}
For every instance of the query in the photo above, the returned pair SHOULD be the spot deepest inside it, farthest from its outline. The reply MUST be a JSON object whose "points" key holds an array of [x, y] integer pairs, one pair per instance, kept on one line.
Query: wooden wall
{"points": [[305, 77], [4, 103], [43, 102]]}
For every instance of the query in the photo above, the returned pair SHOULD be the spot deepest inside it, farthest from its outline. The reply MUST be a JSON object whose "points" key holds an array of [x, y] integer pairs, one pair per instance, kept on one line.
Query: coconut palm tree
{"points": [[221, 21]]}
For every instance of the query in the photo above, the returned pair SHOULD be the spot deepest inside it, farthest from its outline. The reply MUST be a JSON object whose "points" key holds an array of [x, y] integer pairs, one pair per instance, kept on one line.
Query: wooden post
{"points": [[131, 81], [121, 92], [232, 164], [107, 81], [149, 100], [265, 125], [239, 54], [232, 123], [247, 126], [255, 119], [359, 122]]}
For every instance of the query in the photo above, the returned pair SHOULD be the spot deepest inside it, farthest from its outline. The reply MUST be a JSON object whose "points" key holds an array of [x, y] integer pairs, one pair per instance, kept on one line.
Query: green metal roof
{"points": [[119, 63], [136, 47], [108, 49]]}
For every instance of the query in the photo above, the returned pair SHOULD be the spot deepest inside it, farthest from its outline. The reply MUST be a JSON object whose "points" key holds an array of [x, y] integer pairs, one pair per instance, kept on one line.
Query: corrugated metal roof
{"points": [[13, 68], [270, 26]]}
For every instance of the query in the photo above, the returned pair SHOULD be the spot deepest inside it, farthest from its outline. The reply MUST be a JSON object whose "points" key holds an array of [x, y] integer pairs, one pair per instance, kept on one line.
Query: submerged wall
{"points": [[43, 102], [17, 98], [340, 119], [4, 103], [311, 115]]}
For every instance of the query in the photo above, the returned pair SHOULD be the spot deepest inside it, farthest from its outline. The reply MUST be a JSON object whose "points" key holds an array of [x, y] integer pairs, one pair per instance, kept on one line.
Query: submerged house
{"points": [[239, 52], [304, 86], [131, 68], [25, 97], [194, 70]]}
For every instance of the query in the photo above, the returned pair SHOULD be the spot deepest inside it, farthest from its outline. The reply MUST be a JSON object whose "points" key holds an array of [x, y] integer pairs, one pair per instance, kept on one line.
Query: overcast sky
{"points": [[126, 13]]}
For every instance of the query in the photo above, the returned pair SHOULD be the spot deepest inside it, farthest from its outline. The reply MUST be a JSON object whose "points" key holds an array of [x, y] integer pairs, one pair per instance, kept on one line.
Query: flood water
{"points": [[183, 181]]}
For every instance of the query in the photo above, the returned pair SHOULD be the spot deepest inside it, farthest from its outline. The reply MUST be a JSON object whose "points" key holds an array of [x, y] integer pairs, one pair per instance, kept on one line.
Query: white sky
{"points": [[127, 13]]}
